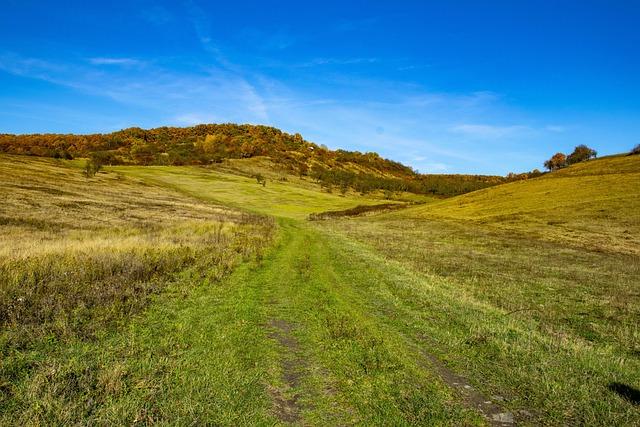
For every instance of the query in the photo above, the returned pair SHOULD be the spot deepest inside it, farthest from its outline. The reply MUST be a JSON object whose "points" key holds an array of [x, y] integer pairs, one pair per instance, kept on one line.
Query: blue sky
{"points": [[444, 86]]}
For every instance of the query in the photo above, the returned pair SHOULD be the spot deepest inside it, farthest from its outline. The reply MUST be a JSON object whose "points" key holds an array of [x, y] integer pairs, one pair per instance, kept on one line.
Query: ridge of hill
{"points": [[213, 143]]}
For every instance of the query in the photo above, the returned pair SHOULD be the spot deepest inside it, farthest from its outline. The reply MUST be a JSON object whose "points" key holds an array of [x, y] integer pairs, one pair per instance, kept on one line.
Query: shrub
{"points": [[580, 154], [261, 180], [635, 150], [92, 167]]}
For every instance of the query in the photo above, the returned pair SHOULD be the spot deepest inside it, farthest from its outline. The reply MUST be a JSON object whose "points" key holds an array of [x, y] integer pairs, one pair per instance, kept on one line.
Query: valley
{"points": [[181, 294]]}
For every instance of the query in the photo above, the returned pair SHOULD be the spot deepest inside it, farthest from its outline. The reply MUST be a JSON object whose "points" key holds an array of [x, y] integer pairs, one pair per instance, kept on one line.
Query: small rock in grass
{"points": [[503, 417]]}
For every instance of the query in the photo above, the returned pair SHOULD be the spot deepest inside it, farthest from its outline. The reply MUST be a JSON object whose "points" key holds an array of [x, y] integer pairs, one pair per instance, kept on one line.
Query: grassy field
{"points": [[79, 257], [551, 268], [146, 297], [282, 196], [593, 205]]}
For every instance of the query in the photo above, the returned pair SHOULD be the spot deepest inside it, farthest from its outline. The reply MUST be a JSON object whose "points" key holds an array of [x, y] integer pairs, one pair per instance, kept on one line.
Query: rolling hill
{"points": [[594, 204], [213, 143], [173, 294]]}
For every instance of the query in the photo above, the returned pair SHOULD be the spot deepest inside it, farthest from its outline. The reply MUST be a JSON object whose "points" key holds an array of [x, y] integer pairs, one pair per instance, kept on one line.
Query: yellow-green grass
{"points": [[594, 204], [550, 328], [113, 312], [336, 324], [79, 256], [290, 198], [537, 302]]}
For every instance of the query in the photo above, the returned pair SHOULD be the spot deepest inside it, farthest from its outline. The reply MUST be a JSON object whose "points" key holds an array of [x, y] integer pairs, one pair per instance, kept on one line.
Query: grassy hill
{"points": [[214, 143], [283, 195], [163, 294], [540, 292], [594, 204]]}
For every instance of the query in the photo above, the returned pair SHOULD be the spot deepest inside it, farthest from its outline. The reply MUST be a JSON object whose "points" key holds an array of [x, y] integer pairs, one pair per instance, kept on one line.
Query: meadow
{"points": [[80, 257], [550, 267], [181, 295]]}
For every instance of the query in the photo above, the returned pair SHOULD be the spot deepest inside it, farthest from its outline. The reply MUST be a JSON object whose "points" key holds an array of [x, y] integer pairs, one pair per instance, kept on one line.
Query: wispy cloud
{"points": [[434, 132], [434, 168], [205, 91], [202, 27], [555, 128], [116, 61]]}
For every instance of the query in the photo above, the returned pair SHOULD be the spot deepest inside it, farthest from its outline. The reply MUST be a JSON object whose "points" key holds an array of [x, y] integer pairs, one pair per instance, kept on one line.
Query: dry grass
{"points": [[594, 205], [79, 255]]}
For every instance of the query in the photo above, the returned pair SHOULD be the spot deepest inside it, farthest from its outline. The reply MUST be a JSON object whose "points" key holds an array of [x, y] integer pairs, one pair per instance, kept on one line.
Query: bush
{"points": [[580, 154], [635, 150], [92, 167], [261, 180]]}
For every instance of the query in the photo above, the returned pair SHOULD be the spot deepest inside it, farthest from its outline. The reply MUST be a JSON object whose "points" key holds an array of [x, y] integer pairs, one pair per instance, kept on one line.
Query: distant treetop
{"points": [[581, 153]]}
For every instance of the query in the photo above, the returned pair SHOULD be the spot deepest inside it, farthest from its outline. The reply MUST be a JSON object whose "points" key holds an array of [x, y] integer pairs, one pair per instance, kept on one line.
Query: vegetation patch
{"points": [[359, 210], [213, 144]]}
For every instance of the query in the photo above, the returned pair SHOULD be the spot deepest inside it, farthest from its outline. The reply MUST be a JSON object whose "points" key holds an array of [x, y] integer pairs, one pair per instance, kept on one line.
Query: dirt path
{"points": [[488, 407], [328, 338], [286, 398]]}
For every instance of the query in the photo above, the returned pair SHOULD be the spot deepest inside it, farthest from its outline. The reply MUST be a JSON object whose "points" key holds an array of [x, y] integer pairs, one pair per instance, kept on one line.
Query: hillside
{"points": [[214, 143], [595, 204], [163, 294], [538, 298]]}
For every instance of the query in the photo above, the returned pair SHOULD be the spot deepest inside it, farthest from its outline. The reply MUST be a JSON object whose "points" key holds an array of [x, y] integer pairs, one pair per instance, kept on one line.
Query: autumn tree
{"points": [[557, 161], [143, 153], [580, 154]]}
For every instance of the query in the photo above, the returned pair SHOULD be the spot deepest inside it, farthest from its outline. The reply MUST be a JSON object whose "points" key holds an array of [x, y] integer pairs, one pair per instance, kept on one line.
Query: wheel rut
{"points": [[286, 398], [495, 414]]}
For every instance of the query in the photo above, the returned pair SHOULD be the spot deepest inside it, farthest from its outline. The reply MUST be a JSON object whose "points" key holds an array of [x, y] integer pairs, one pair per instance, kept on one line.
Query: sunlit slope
{"points": [[595, 204], [283, 196]]}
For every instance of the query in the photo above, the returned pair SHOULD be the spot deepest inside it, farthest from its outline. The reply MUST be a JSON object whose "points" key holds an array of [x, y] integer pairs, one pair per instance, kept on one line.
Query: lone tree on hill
{"points": [[557, 161], [580, 154]]}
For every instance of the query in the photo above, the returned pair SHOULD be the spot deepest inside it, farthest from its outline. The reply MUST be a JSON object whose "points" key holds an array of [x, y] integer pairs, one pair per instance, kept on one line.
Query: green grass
{"points": [[339, 321], [80, 257], [547, 317], [293, 198]]}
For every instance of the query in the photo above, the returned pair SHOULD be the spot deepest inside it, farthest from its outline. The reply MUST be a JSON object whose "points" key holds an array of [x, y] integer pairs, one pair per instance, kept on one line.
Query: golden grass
{"points": [[595, 204], [78, 252]]}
